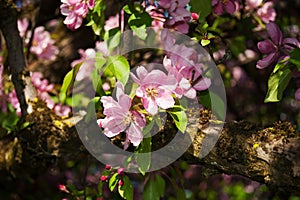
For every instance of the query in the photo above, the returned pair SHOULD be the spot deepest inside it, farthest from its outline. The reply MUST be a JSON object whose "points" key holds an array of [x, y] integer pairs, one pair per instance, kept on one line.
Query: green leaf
{"points": [[154, 188], [112, 38], [119, 66], [126, 190], [205, 42], [277, 83], [138, 22], [95, 18], [280, 65], [113, 181], [202, 7], [93, 105], [68, 81], [295, 57], [179, 118], [100, 193], [143, 155]]}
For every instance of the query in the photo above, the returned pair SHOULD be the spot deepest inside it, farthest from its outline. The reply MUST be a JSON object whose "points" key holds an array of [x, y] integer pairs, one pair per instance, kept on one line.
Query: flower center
{"points": [[151, 92], [128, 119]]}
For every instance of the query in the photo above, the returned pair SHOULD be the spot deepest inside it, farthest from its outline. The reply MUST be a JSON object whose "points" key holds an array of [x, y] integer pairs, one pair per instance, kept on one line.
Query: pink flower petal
{"points": [[266, 47], [230, 6], [203, 84], [134, 134], [274, 32], [150, 105], [266, 61], [165, 100]]}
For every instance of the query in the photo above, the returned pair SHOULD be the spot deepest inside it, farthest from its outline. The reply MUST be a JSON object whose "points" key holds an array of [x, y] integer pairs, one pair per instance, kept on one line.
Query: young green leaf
{"points": [[180, 119], [295, 57], [154, 188], [113, 181], [277, 83], [143, 155], [126, 190], [119, 66], [68, 81], [91, 108]]}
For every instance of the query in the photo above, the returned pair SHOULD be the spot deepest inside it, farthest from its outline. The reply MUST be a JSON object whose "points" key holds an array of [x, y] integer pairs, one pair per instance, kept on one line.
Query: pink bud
{"points": [[121, 171], [103, 178], [62, 187], [195, 16], [121, 183], [107, 167]]}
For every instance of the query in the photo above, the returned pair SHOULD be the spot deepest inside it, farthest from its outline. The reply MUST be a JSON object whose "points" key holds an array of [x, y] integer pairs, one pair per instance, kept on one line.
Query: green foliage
{"points": [[96, 17], [92, 106], [277, 83], [120, 68], [179, 116], [154, 188], [143, 154], [295, 57], [203, 8], [126, 190], [113, 181], [139, 19], [112, 38], [9, 120], [67, 83]]}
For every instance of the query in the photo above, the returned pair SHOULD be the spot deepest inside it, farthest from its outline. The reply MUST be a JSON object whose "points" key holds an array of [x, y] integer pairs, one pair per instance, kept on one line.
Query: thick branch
{"points": [[270, 155]]}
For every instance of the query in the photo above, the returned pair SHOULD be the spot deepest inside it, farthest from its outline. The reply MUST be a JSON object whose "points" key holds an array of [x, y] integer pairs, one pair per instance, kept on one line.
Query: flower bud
{"points": [[195, 16], [107, 167], [121, 183], [103, 178], [121, 171]]}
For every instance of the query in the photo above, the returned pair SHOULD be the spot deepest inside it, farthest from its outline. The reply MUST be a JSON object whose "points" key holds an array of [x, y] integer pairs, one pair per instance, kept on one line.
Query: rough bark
{"points": [[267, 155]]}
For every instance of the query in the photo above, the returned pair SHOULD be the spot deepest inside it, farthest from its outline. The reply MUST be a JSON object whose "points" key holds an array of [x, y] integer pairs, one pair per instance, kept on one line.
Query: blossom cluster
{"points": [[42, 44], [264, 10], [76, 11], [182, 75]]}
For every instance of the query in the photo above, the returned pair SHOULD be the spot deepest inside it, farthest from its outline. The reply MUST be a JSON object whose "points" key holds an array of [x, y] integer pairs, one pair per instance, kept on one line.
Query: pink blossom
{"points": [[13, 100], [75, 10], [113, 22], [267, 12], [87, 62], [184, 87], [220, 5], [158, 18], [175, 13], [43, 45], [3, 96], [253, 4], [186, 61], [297, 94], [155, 89], [62, 110], [120, 118], [23, 26]]}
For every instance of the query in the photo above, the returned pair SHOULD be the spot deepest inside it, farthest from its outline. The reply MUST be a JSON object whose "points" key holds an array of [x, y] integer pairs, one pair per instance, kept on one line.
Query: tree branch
{"points": [[16, 60], [267, 155]]}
